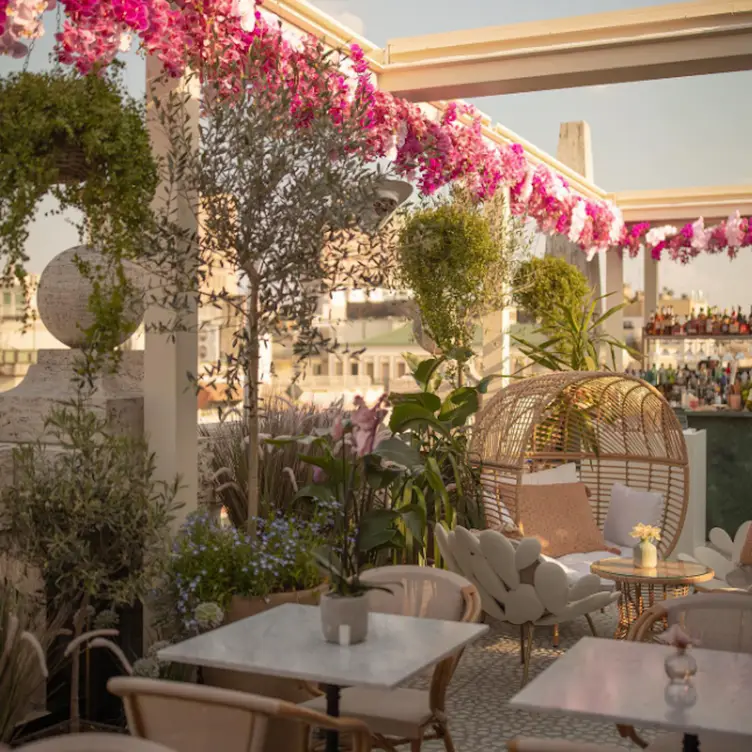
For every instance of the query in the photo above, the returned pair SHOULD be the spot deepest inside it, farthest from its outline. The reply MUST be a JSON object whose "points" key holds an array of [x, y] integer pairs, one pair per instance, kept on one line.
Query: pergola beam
{"points": [[680, 206], [666, 41]]}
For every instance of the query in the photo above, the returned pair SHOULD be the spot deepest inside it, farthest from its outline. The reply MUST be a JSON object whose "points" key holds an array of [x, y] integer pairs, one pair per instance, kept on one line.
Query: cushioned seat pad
{"points": [[395, 712]]}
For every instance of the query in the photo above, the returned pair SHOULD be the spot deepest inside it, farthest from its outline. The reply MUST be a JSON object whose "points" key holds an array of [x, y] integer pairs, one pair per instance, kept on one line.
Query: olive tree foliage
{"points": [[458, 257], [289, 212]]}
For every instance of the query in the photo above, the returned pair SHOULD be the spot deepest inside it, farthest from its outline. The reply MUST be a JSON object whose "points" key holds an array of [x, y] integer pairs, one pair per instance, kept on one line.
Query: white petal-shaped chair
{"points": [[517, 585], [722, 556]]}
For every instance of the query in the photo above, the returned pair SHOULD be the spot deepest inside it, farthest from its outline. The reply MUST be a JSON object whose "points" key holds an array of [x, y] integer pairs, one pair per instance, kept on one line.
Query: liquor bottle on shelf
{"points": [[725, 321], [743, 323], [692, 324], [717, 324], [734, 322]]}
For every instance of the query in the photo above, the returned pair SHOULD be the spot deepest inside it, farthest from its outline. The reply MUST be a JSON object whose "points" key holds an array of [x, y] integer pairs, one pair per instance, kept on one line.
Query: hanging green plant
{"points": [[83, 141]]}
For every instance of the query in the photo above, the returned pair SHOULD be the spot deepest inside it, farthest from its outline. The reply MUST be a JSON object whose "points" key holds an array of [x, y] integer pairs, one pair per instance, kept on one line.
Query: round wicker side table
{"points": [[641, 588]]}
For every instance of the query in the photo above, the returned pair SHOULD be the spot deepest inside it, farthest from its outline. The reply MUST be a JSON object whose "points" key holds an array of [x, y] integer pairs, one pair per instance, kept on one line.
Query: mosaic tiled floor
{"points": [[488, 676]]}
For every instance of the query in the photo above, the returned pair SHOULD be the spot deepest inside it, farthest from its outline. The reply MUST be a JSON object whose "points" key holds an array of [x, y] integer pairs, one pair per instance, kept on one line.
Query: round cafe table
{"points": [[641, 588]]}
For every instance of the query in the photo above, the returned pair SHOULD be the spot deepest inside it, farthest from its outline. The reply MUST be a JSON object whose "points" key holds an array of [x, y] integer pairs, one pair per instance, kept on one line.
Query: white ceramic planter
{"points": [[645, 555], [344, 621]]}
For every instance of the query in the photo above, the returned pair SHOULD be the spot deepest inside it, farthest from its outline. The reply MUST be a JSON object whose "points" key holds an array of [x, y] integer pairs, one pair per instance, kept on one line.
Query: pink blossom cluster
{"points": [[216, 38], [683, 244], [21, 23]]}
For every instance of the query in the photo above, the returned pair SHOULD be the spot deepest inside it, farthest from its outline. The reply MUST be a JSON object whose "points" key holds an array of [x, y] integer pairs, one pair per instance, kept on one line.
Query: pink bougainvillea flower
{"points": [[216, 37]]}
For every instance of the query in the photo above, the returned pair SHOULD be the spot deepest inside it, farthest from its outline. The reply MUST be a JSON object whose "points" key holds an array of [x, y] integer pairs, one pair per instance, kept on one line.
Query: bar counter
{"points": [[729, 465]]}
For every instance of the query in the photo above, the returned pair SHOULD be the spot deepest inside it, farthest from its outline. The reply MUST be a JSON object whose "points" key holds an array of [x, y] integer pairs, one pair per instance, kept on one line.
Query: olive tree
{"points": [[291, 209]]}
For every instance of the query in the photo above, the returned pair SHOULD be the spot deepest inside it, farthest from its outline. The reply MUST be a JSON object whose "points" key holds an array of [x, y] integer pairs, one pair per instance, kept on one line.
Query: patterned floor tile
{"points": [[489, 675]]}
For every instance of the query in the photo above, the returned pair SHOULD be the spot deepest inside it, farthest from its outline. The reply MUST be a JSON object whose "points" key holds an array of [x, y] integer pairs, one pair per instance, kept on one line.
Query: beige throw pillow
{"points": [[559, 516]]}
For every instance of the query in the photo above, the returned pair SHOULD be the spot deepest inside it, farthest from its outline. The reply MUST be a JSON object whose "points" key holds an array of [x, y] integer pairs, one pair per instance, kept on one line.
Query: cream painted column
{"points": [[652, 284], [496, 343], [615, 289], [575, 151], [170, 407]]}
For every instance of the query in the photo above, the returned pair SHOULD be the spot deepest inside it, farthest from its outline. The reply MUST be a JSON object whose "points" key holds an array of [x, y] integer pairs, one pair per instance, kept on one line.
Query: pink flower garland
{"points": [[217, 35]]}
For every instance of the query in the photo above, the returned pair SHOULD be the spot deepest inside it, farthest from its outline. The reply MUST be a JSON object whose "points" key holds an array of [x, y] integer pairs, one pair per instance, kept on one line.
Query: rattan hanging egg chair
{"points": [[615, 428]]}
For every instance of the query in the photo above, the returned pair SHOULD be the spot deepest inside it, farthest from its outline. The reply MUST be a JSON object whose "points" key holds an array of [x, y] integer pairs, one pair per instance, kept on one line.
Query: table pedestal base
{"points": [[691, 743], [332, 709], [638, 596]]}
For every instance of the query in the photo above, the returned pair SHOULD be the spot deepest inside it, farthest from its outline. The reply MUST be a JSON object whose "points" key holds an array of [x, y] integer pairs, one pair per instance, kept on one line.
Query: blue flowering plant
{"points": [[361, 473], [211, 562]]}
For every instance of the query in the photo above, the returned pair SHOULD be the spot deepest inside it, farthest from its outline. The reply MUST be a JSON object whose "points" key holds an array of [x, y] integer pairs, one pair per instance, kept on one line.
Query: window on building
{"points": [[385, 372], [370, 369], [317, 369], [24, 356], [354, 368], [7, 298], [338, 368], [401, 369]]}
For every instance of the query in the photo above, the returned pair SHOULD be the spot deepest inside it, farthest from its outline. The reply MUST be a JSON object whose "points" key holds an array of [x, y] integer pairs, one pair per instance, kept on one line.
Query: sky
{"points": [[677, 133]]}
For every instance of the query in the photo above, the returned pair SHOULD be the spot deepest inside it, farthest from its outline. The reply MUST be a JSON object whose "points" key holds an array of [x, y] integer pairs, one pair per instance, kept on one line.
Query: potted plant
{"points": [[82, 140], [437, 421], [88, 514], [219, 574], [457, 257], [359, 470]]}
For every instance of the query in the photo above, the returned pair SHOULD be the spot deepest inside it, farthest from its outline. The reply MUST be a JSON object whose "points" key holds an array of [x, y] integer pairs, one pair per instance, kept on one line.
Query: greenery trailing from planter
{"points": [[83, 141], [538, 282], [457, 257]]}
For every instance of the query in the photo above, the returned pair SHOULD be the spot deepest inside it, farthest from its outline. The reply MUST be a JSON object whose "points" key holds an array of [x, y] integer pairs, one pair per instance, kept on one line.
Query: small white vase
{"points": [[645, 555], [344, 620]]}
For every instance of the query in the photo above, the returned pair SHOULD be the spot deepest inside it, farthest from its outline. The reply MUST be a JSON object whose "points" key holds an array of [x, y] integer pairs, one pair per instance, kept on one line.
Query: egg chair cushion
{"points": [[630, 507], [560, 517]]}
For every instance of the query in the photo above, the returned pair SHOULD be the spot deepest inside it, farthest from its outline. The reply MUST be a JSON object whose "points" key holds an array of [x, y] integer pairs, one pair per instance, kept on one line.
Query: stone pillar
{"points": [[496, 344], [615, 289], [652, 285], [170, 406], [575, 151]]}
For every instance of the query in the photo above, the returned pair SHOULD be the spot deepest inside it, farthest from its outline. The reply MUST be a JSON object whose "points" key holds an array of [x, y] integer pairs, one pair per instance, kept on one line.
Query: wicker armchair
{"points": [[615, 428], [401, 716], [93, 743], [557, 745], [195, 718], [720, 621]]}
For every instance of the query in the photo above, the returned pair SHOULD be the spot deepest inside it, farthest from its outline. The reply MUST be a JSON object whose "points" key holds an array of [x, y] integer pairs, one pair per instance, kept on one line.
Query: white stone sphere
{"points": [[63, 297]]}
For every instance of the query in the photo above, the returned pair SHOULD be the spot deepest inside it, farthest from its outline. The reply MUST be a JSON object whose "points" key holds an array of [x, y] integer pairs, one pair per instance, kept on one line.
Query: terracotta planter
{"points": [[344, 621], [281, 735]]}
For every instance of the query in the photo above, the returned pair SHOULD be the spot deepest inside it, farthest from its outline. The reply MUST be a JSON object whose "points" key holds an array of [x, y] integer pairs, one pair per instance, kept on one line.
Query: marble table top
{"points": [[624, 682], [287, 641]]}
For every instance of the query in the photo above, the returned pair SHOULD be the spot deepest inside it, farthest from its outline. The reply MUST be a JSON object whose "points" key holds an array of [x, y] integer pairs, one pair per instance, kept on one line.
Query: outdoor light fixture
{"points": [[390, 195]]}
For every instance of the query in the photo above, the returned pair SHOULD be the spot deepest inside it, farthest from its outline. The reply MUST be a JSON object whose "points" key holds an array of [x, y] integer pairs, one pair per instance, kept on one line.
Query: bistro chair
{"points": [[195, 718], [411, 716], [93, 743]]}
